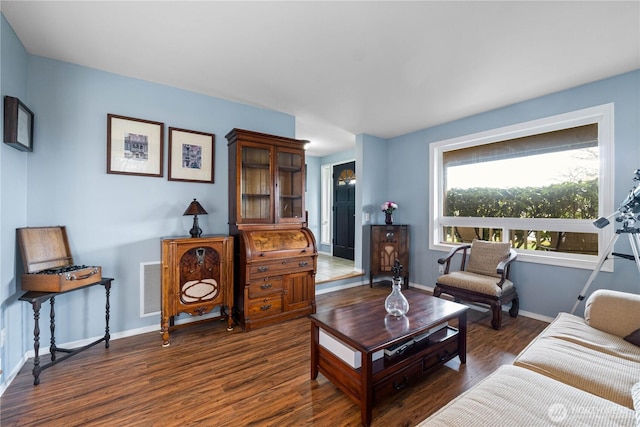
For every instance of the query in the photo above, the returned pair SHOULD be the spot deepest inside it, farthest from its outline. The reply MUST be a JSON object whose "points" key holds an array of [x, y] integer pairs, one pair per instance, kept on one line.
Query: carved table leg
{"points": [[107, 336], [36, 342], [52, 326], [164, 328], [226, 310]]}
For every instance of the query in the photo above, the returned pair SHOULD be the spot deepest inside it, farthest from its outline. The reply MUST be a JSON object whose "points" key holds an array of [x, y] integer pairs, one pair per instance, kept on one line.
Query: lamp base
{"points": [[195, 231]]}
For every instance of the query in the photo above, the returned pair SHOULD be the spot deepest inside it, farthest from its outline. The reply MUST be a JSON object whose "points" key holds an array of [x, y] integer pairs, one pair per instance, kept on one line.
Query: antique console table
{"points": [[36, 299]]}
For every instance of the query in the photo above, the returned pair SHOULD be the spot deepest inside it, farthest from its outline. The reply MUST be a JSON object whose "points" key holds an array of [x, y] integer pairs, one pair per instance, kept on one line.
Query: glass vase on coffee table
{"points": [[396, 304]]}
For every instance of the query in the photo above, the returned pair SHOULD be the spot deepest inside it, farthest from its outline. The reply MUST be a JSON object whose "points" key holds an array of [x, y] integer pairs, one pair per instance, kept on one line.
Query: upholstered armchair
{"points": [[483, 277]]}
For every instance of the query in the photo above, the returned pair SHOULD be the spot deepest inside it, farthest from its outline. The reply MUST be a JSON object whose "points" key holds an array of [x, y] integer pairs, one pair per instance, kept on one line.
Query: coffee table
{"points": [[348, 345]]}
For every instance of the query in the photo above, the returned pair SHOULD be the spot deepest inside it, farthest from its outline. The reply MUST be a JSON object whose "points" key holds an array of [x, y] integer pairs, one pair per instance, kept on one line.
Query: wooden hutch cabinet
{"points": [[388, 243], [276, 254]]}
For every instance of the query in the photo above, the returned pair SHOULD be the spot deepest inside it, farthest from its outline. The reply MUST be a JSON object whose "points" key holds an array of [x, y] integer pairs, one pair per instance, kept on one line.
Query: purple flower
{"points": [[389, 207]]}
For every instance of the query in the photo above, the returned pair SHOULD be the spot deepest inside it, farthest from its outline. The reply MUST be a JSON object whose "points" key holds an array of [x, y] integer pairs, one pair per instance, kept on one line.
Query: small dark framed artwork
{"points": [[191, 155], [134, 146], [18, 124]]}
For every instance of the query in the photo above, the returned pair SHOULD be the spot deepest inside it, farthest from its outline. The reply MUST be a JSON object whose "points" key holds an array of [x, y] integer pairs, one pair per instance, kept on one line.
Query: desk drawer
{"points": [[267, 306], [398, 381], [265, 286], [280, 266], [443, 353]]}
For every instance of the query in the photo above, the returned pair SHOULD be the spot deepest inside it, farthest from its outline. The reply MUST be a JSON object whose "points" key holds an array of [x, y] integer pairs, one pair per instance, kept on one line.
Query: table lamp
{"points": [[195, 209]]}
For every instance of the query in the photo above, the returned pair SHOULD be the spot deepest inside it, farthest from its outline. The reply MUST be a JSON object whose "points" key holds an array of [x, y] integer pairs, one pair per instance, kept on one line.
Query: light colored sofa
{"points": [[578, 371]]}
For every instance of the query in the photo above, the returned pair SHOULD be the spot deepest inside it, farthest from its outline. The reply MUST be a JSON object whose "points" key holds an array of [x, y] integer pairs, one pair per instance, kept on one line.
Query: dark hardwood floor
{"points": [[211, 377]]}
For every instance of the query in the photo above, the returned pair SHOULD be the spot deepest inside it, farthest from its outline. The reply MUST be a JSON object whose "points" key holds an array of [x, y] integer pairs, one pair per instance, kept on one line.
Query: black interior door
{"points": [[344, 210]]}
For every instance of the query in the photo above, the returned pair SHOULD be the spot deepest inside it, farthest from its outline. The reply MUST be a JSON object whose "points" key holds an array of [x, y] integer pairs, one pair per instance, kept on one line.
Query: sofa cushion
{"points": [[513, 396], [613, 311], [572, 352], [635, 395]]}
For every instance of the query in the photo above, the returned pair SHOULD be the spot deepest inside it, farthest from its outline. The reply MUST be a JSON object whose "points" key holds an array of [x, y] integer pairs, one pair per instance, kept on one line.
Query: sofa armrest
{"points": [[615, 312]]}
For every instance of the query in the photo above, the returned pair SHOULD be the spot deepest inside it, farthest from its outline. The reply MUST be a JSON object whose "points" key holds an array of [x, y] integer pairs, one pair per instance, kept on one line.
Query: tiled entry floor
{"points": [[334, 268]]}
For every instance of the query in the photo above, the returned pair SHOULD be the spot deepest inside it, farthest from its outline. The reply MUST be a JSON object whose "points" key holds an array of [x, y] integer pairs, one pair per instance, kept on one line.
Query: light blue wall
{"points": [[372, 170], [13, 200], [338, 158], [545, 290], [312, 195]]}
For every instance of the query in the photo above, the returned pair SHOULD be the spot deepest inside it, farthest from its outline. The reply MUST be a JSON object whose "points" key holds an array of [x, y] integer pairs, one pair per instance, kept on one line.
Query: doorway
{"points": [[344, 210]]}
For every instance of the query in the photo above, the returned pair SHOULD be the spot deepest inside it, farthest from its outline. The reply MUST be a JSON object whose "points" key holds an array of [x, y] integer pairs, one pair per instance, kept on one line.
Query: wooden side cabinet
{"points": [[388, 243], [197, 276]]}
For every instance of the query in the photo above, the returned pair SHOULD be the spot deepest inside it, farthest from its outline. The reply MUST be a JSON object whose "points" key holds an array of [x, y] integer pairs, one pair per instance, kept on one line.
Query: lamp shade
{"points": [[195, 208]]}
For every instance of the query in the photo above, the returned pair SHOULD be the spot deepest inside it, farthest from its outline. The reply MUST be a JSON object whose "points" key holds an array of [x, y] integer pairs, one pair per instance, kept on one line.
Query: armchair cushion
{"points": [[480, 283], [615, 312], [485, 257]]}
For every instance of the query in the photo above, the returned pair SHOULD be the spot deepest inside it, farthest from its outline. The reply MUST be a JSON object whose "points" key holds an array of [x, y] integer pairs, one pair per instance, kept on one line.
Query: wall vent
{"points": [[150, 289]]}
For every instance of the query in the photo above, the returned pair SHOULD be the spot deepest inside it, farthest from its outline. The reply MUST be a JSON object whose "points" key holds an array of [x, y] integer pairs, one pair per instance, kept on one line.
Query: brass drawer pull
{"points": [[401, 385], [263, 269], [265, 307], [266, 286], [303, 263], [444, 356]]}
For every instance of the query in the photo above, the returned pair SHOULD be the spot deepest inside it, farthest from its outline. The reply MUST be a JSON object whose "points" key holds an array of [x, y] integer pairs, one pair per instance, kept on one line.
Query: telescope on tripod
{"points": [[627, 214]]}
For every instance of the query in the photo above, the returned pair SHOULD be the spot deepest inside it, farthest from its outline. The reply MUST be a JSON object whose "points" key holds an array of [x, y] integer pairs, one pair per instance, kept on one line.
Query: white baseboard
{"points": [[341, 287], [12, 375]]}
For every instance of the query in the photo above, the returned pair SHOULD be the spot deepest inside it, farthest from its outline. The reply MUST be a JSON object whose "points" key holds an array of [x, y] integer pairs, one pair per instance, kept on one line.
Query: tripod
{"points": [[634, 241]]}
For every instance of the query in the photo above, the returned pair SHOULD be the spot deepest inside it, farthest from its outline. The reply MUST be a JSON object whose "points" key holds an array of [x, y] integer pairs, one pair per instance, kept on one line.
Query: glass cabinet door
{"points": [[290, 185], [255, 184]]}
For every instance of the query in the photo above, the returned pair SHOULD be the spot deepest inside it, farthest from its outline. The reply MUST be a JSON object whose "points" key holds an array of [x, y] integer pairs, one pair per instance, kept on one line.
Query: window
{"points": [[347, 177], [539, 185]]}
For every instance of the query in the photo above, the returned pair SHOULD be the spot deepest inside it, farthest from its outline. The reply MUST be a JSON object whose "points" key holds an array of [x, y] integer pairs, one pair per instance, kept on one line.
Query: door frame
{"points": [[326, 186]]}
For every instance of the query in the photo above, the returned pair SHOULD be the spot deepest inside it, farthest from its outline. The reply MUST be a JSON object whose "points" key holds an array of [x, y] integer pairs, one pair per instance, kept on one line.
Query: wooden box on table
{"points": [[48, 263]]}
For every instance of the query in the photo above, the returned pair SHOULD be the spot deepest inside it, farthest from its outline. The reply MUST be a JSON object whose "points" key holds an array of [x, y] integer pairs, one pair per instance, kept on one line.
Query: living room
{"points": [[117, 221]]}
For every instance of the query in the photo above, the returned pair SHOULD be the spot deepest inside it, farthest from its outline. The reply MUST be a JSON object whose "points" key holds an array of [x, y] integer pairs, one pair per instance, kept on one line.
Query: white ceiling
{"points": [[344, 68]]}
